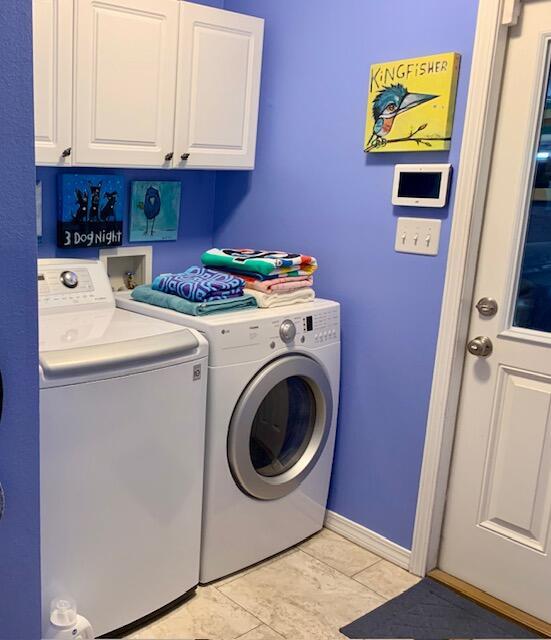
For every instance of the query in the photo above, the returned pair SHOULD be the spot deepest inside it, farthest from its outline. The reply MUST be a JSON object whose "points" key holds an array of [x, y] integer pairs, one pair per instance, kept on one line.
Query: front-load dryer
{"points": [[122, 429], [271, 420]]}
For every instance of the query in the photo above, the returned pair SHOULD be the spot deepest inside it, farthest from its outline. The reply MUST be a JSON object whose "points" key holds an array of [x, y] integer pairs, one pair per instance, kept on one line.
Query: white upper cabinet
{"points": [[219, 68], [125, 81], [53, 77], [145, 83]]}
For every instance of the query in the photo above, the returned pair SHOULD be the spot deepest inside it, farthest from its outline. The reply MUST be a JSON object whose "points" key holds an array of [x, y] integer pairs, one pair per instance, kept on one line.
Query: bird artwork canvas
{"points": [[154, 210], [91, 210], [411, 104]]}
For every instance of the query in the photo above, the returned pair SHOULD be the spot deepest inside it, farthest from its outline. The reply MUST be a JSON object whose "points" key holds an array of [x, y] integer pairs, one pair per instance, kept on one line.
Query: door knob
{"points": [[487, 307], [66, 153], [169, 157], [481, 347], [184, 157]]}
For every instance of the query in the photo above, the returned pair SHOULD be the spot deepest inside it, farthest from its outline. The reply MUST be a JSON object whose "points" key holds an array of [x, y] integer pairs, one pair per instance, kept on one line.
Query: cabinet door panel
{"points": [[53, 80], [125, 81], [219, 70]]}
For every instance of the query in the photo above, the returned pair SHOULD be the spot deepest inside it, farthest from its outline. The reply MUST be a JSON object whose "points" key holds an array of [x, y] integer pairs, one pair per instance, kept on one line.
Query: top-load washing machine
{"points": [[271, 418], [122, 425]]}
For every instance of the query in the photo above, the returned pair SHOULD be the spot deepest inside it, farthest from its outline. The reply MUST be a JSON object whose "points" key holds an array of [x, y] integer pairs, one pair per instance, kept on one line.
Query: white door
{"points": [[126, 56], [219, 71], [53, 80], [497, 525]]}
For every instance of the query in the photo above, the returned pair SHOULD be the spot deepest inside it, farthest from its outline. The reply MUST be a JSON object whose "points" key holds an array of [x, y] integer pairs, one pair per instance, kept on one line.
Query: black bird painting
{"points": [[151, 208]]}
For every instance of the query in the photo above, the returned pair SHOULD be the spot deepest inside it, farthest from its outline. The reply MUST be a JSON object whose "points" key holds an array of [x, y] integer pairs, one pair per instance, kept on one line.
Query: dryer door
{"points": [[280, 426]]}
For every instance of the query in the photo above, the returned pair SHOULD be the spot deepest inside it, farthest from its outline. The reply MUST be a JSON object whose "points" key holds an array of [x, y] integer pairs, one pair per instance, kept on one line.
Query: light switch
{"points": [[418, 235]]}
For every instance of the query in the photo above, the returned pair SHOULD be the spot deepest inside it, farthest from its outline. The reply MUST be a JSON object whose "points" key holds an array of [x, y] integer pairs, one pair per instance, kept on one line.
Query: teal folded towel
{"points": [[144, 293]]}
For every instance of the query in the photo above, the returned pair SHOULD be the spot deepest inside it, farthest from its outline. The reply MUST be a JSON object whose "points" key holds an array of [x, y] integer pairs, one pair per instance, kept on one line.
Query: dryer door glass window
{"points": [[279, 427], [282, 427]]}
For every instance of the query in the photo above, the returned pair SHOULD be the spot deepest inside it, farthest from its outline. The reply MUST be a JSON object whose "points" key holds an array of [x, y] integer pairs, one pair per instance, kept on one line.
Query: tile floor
{"points": [[309, 591]]}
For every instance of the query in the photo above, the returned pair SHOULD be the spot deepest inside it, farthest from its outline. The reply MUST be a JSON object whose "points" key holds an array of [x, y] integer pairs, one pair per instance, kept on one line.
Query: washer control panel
{"points": [[72, 285]]}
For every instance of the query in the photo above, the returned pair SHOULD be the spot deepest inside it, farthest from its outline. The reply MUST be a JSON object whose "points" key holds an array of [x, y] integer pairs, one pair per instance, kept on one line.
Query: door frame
{"points": [[494, 19]]}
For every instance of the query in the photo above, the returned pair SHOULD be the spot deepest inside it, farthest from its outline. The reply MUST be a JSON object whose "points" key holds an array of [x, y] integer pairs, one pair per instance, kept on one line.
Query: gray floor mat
{"points": [[431, 611]]}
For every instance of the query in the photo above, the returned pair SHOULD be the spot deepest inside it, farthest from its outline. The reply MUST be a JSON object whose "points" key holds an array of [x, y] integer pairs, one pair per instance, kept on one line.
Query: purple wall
{"points": [[315, 191], [19, 470]]}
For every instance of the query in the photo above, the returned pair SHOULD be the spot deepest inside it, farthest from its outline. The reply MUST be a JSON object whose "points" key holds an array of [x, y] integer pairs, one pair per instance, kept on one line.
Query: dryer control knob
{"points": [[287, 331], [69, 279]]}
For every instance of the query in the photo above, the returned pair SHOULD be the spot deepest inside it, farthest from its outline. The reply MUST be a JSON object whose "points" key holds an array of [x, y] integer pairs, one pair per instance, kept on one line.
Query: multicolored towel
{"points": [[269, 300], [144, 293], [265, 262], [279, 284], [198, 284], [262, 278]]}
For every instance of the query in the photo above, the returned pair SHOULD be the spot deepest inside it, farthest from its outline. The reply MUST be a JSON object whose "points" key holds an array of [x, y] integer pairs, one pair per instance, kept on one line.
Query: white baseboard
{"points": [[364, 537]]}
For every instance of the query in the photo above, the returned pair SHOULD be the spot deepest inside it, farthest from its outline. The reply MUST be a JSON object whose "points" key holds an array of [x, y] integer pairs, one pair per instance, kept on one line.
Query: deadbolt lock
{"points": [[487, 307]]}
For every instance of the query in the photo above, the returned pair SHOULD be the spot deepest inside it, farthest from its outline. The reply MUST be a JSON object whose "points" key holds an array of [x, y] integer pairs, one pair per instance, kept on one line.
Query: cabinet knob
{"points": [[169, 156], [184, 156], [66, 153]]}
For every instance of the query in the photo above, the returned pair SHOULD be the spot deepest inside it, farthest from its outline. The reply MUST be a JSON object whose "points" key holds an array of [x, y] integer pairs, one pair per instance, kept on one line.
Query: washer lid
{"points": [[108, 340]]}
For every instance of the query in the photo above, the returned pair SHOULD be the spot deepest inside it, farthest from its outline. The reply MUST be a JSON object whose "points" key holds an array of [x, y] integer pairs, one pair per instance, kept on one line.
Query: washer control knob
{"points": [[69, 279], [287, 331]]}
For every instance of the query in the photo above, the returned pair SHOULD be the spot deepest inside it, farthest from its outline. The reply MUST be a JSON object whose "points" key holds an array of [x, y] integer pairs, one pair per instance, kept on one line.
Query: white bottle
{"points": [[66, 624]]}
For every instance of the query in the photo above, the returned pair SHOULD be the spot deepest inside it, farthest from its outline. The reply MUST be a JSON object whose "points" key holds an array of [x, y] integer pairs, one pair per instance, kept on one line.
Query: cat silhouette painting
{"points": [[108, 209], [154, 211], [81, 214], [95, 191], [91, 210]]}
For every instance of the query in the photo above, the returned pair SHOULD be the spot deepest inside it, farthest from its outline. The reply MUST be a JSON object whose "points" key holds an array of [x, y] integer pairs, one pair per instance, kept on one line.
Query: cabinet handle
{"points": [[169, 156], [184, 156], [66, 153]]}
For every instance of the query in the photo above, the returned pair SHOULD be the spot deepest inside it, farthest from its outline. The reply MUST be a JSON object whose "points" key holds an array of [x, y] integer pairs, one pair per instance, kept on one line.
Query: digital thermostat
{"points": [[421, 185]]}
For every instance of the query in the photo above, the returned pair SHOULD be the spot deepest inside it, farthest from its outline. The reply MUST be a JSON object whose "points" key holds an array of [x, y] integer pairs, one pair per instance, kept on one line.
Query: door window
{"points": [[533, 304], [282, 427]]}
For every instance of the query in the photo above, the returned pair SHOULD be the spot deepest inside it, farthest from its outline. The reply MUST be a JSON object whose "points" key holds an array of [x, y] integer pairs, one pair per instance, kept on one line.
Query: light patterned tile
{"points": [[300, 597], [209, 614], [338, 552], [263, 632], [386, 579], [254, 567]]}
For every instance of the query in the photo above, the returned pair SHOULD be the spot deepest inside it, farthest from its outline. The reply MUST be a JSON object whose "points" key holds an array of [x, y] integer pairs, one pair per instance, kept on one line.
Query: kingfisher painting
{"points": [[411, 104], [390, 103]]}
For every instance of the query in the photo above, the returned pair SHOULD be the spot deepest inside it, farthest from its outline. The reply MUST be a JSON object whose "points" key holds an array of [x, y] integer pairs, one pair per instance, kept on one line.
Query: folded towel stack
{"points": [[196, 292], [274, 278], [198, 284], [145, 293]]}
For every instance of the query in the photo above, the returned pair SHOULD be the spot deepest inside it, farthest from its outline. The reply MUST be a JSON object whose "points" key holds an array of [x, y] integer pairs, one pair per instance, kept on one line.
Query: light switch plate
{"points": [[418, 235]]}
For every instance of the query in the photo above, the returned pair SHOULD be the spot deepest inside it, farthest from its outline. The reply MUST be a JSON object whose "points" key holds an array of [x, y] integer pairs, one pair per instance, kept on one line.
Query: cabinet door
{"points": [[125, 81], [219, 69], [53, 80]]}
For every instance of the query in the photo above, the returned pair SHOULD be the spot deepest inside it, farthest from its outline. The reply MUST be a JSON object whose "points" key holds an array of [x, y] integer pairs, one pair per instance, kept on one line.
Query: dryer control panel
{"points": [[258, 338], [73, 283]]}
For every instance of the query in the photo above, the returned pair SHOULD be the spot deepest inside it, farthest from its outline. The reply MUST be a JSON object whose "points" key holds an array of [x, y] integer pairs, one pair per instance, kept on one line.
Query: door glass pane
{"points": [[282, 427], [533, 306]]}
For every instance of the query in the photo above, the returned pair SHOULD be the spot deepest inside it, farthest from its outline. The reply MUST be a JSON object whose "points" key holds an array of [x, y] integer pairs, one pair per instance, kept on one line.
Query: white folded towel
{"points": [[269, 300]]}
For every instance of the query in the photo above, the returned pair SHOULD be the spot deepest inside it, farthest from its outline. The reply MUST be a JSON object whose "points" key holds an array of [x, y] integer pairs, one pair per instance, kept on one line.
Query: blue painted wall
{"points": [[196, 215], [314, 190], [19, 465]]}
